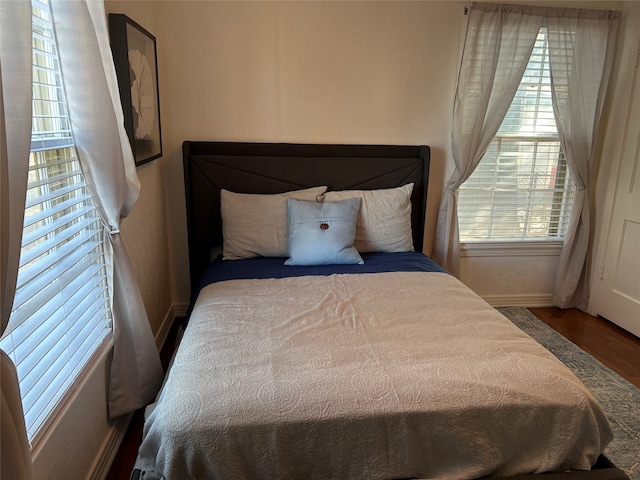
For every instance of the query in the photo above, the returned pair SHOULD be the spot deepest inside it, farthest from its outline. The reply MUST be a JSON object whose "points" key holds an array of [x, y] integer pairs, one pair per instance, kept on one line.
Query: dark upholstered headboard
{"points": [[278, 167]]}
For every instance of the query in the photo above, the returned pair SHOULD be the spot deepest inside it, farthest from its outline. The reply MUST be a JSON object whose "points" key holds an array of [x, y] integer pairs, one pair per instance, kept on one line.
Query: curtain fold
{"points": [[15, 143], [497, 48], [580, 54], [105, 155], [581, 44]]}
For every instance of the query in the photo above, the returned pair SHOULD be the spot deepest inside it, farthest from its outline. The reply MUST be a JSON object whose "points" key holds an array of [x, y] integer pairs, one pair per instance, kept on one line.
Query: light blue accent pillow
{"points": [[322, 233]]}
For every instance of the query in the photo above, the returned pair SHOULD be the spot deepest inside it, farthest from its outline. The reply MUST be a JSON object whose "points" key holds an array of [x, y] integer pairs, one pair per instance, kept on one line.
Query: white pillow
{"points": [[255, 225], [384, 220]]}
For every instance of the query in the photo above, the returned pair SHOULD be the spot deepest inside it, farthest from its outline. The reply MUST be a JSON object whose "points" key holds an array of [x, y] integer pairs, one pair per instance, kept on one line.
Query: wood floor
{"points": [[613, 346]]}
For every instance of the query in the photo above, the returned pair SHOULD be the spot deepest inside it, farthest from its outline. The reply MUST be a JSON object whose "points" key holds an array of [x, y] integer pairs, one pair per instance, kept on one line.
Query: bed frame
{"points": [[275, 168]]}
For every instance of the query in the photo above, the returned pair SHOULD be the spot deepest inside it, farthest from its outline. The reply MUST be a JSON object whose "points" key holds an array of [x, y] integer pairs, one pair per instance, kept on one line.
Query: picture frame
{"points": [[135, 59]]}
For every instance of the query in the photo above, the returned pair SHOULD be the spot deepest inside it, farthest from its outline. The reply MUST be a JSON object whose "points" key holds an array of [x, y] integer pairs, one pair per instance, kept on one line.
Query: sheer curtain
{"points": [[107, 162], [497, 48], [15, 143], [581, 44]]}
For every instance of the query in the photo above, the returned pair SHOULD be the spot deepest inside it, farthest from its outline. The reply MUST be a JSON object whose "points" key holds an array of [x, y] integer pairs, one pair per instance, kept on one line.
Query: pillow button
{"points": [[324, 226]]}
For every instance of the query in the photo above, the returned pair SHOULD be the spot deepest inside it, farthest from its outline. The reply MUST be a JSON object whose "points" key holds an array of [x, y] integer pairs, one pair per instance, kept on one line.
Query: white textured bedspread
{"points": [[390, 375]]}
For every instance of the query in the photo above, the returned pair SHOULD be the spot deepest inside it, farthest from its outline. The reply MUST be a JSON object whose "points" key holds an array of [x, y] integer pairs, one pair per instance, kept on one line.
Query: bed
{"points": [[337, 349]]}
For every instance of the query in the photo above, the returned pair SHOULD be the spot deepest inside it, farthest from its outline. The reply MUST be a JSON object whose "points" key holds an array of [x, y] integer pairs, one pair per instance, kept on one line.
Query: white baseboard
{"points": [[180, 309], [529, 301], [109, 449], [176, 311], [165, 327], [111, 444]]}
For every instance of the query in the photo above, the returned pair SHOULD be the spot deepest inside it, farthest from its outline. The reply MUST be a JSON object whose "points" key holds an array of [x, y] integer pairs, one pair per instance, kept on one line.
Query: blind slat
{"points": [[61, 312], [39, 357], [30, 341], [77, 211], [34, 295], [521, 188], [34, 250], [68, 190]]}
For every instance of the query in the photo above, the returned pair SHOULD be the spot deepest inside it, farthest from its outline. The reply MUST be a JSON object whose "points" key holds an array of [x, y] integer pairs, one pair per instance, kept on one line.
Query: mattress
{"points": [[377, 375]]}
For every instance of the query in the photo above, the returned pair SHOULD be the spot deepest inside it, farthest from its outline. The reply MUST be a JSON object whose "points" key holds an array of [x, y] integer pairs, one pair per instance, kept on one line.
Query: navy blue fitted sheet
{"points": [[273, 267]]}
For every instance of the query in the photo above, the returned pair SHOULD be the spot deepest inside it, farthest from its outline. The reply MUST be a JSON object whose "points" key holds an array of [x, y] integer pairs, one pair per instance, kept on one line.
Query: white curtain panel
{"points": [[581, 44], [497, 48], [15, 142], [107, 162]]}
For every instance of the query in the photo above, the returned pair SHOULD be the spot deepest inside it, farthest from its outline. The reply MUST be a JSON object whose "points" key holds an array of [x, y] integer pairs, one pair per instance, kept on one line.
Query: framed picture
{"points": [[135, 59]]}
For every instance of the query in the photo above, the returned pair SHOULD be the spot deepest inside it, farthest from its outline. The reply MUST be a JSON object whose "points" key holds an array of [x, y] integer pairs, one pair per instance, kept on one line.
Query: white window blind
{"points": [[61, 312], [522, 189]]}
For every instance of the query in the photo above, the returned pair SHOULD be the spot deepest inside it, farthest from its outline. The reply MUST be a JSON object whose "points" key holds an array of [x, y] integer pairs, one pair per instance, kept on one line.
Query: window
{"points": [[61, 313], [522, 189]]}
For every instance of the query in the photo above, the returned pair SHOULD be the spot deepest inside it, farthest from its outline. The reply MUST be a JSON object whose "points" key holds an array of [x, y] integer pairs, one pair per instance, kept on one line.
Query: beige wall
{"points": [[144, 231], [333, 72], [343, 72]]}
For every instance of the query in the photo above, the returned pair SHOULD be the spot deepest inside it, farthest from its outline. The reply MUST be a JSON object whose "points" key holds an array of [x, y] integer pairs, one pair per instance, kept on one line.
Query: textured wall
{"points": [[144, 231], [326, 72]]}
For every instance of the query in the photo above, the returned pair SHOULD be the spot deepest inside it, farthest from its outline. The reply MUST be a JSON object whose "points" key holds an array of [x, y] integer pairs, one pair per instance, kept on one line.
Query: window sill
{"points": [[511, 249]]}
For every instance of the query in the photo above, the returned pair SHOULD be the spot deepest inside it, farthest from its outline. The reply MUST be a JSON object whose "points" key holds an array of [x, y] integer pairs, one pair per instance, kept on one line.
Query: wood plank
{"points": [[611, 345]]}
